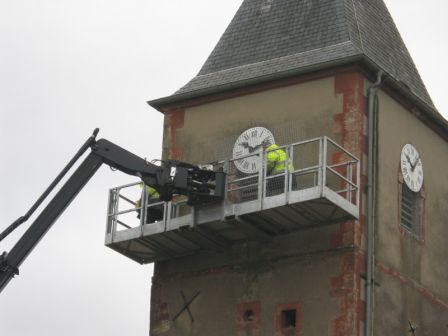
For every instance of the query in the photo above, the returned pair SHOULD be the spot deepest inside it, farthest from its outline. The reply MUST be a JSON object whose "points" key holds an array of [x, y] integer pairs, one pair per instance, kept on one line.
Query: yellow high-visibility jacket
{"points": [[152, 193], [276, 160]]}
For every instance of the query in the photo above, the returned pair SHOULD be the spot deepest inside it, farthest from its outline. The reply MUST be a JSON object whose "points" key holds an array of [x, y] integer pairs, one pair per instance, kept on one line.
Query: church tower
{"points": [[347, 237]]}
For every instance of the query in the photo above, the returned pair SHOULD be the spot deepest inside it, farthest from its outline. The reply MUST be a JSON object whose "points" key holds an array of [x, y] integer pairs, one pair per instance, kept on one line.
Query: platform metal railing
{"points": [[318, 162], [315, 164]]}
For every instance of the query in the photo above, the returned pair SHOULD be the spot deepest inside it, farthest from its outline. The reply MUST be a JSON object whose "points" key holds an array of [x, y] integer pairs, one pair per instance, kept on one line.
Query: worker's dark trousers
{"points": [[276, 185], [153, 213]]}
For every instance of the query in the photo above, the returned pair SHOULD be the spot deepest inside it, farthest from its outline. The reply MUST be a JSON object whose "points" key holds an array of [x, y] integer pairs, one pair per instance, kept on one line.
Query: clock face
{"points": [[411, 167], [247, 143]]}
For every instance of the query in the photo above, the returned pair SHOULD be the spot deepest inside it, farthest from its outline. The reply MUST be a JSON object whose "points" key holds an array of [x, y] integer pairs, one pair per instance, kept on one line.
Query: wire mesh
{"points": [[304, 168]]}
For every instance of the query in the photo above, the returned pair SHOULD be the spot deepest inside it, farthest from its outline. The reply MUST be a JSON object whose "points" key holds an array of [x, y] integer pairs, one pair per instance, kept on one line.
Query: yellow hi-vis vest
{"points": [[276, 160], [152, 193]]}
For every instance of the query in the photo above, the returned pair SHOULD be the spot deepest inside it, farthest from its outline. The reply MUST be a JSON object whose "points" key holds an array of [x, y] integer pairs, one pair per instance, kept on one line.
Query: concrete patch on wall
{"points": [[160, 317]]}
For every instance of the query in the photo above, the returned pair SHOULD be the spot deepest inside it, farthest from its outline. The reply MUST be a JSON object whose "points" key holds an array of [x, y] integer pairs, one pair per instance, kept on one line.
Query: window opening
{"points": [[249, 315], [288, 318], [411, 209]]}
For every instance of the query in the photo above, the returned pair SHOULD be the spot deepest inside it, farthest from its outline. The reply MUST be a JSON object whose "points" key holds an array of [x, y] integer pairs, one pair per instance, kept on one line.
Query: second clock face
{"points": [[247, 143], [411, 167]]}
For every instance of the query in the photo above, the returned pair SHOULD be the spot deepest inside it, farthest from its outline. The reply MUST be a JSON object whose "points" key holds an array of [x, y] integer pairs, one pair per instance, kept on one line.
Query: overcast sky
{"points": [[69, 66]]}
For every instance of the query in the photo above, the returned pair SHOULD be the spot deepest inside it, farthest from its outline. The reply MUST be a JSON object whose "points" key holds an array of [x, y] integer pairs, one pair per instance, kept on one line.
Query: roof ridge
{"points": [[357, 25]]}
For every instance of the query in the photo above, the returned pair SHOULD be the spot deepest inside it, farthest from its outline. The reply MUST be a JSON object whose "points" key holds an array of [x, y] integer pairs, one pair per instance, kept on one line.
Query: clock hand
{"points": [[409, 160], [245, 145], [415, 163], [253, 149]]}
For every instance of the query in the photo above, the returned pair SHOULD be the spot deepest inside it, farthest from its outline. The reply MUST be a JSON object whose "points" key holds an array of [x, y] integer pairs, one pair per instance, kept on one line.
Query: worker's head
{"points": [[266, 143]]}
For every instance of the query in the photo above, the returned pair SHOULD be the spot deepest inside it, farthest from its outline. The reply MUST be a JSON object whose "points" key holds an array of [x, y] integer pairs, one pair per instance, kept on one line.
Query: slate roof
{"points": [[271, 39]]}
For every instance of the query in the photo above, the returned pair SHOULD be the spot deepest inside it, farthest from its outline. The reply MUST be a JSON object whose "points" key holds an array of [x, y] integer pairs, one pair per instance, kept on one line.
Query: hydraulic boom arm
{"points": [[173, 177]]}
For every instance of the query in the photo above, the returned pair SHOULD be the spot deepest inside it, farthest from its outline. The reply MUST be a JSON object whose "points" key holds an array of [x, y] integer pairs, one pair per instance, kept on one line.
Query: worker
{"points": [[275, 165], [154, 212]]}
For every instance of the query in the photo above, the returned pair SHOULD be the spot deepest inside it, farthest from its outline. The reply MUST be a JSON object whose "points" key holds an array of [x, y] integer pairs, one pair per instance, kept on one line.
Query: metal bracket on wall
{"points": [[412, 328], [186, 306]]}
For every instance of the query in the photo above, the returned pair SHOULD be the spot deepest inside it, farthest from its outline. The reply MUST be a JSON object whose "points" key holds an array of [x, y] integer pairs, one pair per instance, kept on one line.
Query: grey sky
{"points": [[67, 67]]}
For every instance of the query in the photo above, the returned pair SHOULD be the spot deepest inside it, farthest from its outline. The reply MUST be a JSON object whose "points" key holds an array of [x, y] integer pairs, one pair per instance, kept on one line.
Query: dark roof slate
{"points": [[276, 66], [380, 40], [269, 38], [263, 30]]}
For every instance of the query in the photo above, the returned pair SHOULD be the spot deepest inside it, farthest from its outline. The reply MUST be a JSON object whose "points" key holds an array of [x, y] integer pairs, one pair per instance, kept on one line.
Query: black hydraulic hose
{"points": [[89, 143]]}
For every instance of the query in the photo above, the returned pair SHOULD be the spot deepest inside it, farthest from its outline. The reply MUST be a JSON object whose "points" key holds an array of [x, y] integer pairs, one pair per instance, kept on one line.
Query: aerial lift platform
{"points": [[320, 187]]}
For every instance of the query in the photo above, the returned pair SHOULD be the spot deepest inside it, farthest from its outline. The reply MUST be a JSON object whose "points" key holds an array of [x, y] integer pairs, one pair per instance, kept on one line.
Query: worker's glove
{"points": [[138, 203]]}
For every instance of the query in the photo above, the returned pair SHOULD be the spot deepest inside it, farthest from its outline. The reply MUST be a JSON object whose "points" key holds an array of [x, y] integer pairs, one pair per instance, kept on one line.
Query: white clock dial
{"points": [[249, 142], [411, 167]]}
